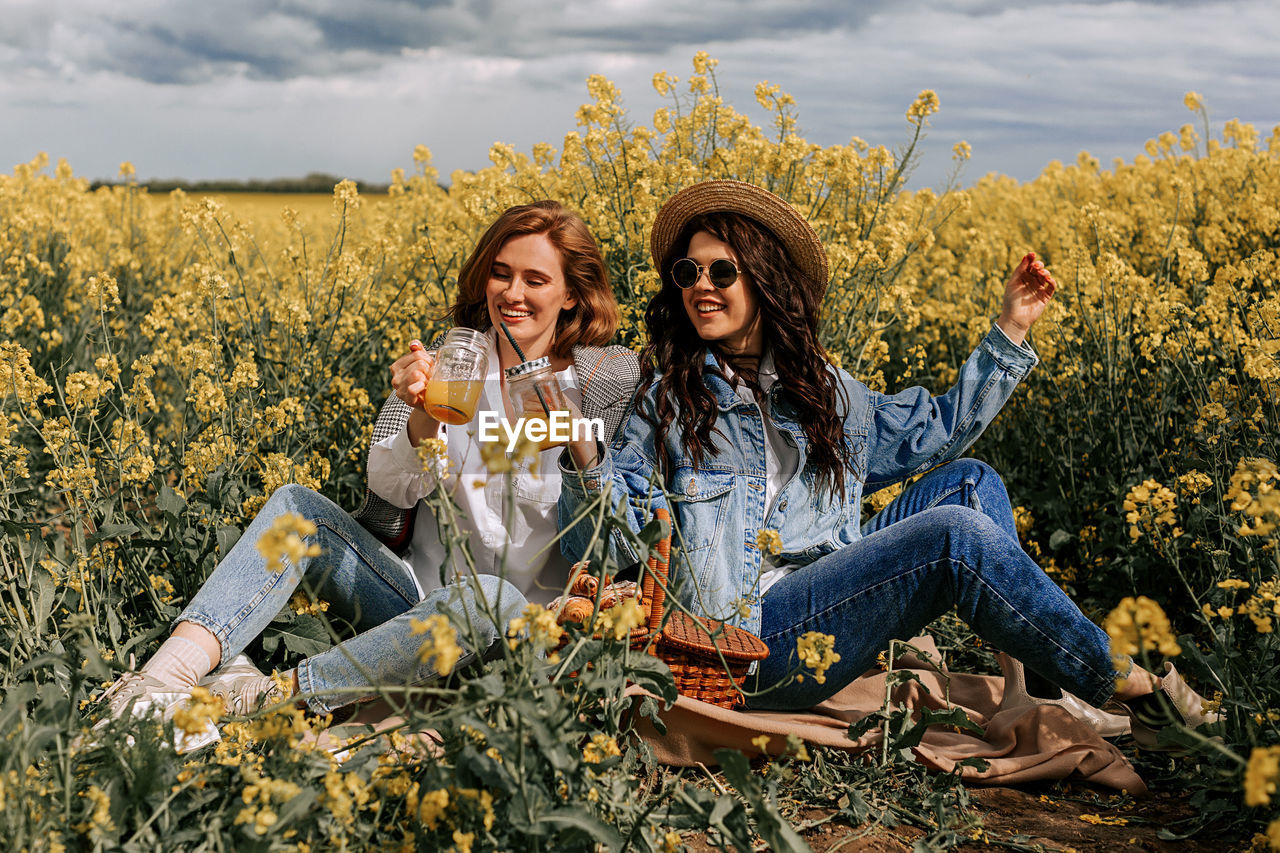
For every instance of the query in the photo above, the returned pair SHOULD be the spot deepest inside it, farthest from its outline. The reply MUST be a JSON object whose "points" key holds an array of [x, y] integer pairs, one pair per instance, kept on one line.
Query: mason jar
{"points": [[462, 363], [536, 396]]}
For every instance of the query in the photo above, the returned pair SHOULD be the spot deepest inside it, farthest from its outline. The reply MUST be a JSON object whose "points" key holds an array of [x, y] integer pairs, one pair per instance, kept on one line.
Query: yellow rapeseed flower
{"points": [[434, 455], [618, 620], [282, 544], [925, 105], [1261, 774], [197, 713], [602, 746], [1137, 625], [441, 648], [769, 541], [817, 653], [540, 624]]}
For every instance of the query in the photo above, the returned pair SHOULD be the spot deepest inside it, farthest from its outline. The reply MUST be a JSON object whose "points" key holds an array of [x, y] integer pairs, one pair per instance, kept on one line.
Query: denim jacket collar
{"points": [[712, 375], [727, 397]]}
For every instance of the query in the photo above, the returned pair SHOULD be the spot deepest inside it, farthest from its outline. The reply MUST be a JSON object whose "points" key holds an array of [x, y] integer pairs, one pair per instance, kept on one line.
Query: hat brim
{"points": [[792, 230]]}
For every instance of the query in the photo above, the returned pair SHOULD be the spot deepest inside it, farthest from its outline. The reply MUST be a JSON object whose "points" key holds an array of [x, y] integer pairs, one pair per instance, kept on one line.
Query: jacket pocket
{"points": [[702, 501], [542, 488]]}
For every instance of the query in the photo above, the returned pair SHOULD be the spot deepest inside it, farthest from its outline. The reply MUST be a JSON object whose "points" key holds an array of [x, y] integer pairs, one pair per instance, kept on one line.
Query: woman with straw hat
{"points": [[766, 451]]}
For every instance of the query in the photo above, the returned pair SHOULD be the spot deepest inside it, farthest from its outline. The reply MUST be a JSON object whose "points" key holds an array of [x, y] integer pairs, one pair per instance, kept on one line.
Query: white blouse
{"points": [[521, 528]]}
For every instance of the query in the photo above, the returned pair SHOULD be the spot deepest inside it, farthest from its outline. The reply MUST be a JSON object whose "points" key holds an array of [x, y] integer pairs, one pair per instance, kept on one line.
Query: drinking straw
{"points": [[515, 346]]}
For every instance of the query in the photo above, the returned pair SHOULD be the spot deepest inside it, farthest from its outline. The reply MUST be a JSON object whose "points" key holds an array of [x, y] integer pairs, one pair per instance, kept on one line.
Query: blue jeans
{"points": [[365, 584], [947, 541]]}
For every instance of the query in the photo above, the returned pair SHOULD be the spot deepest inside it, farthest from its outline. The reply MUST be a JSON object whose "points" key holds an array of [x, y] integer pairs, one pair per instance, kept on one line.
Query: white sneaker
{"points": [[143, 696], [243, 687]]}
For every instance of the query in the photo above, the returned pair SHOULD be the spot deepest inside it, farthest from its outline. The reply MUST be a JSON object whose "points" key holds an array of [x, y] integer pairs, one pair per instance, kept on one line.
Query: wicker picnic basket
{"points": [[709, 659]]}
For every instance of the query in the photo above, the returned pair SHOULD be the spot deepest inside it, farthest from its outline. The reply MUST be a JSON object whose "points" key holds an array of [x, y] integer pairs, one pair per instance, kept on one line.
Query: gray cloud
{"points": [[350, 88], [191, 42]]}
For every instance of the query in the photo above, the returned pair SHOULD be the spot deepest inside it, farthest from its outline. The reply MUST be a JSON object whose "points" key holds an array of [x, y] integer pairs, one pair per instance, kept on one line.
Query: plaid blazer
{"points": [[608, 375]]}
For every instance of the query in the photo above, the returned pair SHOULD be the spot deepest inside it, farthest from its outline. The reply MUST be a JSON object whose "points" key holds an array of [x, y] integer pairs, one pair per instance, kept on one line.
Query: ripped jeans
{"points": [[365, 584], [948, 540]]}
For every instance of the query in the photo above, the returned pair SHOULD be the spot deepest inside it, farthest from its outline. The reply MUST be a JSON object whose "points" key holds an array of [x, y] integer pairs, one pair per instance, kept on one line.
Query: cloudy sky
{"points": [[276, 88]]}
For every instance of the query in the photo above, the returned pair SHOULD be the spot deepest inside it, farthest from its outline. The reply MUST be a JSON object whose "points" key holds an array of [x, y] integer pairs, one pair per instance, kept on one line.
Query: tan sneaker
{"points": [[1016, 695], [1171, 703], [243, 687], [143, 696]]}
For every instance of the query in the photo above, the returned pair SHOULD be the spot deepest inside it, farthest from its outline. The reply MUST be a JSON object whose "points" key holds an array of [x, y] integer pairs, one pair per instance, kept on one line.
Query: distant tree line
{"points": [[315, 182]]}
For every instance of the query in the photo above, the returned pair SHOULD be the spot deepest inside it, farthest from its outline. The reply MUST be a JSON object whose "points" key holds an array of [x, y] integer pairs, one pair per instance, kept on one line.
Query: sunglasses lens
{"points": [[722, 272], [684, 272]]}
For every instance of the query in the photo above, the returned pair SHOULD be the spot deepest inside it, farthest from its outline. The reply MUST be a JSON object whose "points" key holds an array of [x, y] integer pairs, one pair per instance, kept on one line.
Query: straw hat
{"points": [[779, 217]]}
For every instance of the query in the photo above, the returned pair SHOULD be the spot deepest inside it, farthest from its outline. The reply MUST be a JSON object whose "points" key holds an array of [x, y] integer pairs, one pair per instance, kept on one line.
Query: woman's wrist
{"points": [[421, 426], [1016, 332], [586, 454]]}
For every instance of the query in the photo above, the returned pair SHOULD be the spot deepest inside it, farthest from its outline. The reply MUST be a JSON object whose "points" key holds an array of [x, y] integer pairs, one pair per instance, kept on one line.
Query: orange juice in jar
{"points": [[532, 416], [452, 401], [462, 362]]}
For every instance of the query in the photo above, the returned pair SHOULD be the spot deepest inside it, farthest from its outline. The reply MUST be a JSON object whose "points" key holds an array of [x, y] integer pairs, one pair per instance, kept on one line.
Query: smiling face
{"points": [[527, 290], [730, 316]]}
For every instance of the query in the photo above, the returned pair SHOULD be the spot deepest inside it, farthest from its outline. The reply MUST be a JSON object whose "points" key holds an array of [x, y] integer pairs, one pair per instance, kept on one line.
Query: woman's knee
{"points": [[974, 473], [985, 490], [485, 603], [502, 596], [968, 529], [294, 498]]}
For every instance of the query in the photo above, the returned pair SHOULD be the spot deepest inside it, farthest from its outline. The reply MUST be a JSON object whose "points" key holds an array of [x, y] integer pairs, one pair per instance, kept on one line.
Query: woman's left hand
{"points": [[1026, 294], [585, 451]]}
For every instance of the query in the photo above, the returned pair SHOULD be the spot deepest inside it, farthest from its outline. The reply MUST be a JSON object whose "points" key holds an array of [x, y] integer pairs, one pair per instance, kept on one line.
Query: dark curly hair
{"points": [[789, 304]]}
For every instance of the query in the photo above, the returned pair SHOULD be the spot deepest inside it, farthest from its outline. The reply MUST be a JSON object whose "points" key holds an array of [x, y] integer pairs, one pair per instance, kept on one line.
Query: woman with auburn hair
{"points": [[767, 450], [538, 270]]}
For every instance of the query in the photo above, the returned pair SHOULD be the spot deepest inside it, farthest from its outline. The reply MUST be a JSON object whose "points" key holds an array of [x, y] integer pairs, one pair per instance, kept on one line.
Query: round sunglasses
{"points": [[721, 272]]}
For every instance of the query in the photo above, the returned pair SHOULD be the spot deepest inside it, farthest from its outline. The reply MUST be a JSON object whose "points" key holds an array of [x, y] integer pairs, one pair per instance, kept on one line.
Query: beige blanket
{"points": [[1021, 744]]}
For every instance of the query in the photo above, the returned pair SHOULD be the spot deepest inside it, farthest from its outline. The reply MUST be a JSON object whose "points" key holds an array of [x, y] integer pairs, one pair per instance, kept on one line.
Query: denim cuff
{"points": [[584, 484], [1016, 360]]}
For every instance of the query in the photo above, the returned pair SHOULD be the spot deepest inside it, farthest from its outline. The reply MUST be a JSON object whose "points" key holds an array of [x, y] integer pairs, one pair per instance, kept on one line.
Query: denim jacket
{"points": [[719, 507]]}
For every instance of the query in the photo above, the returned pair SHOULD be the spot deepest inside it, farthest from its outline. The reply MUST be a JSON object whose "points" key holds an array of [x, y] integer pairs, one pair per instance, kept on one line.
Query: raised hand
{"points": [[1026, 294]]}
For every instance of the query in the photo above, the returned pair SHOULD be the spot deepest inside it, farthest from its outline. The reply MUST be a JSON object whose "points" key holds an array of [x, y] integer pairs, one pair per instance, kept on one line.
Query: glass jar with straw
{"points": [[536, 395]]}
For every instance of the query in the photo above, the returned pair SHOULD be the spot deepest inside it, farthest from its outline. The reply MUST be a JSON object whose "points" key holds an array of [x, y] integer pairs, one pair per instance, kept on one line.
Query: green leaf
{"points": [[42, 594], [170, 502], [304, 636], [736, 768], [228, 536], [655, 531], [1059, 538], [928, 717], [858, 728], [584, 821], [113, 531], [653, 674], [770, 824]]}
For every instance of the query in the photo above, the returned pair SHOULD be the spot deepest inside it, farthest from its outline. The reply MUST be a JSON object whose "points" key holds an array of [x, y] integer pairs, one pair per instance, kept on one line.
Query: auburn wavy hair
{"points": [[591, 322], [789, 303]]}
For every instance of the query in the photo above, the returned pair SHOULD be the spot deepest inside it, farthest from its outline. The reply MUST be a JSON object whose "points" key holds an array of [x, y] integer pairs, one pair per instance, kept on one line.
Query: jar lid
{"points": [[524, 368]]}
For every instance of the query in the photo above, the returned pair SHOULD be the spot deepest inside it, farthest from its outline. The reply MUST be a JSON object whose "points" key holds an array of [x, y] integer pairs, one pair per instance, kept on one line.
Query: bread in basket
{"points": [[708, 658]]}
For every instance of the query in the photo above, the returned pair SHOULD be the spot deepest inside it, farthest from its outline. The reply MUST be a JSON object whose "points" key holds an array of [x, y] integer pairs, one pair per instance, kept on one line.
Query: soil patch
{"points": [[1090, 823]]}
